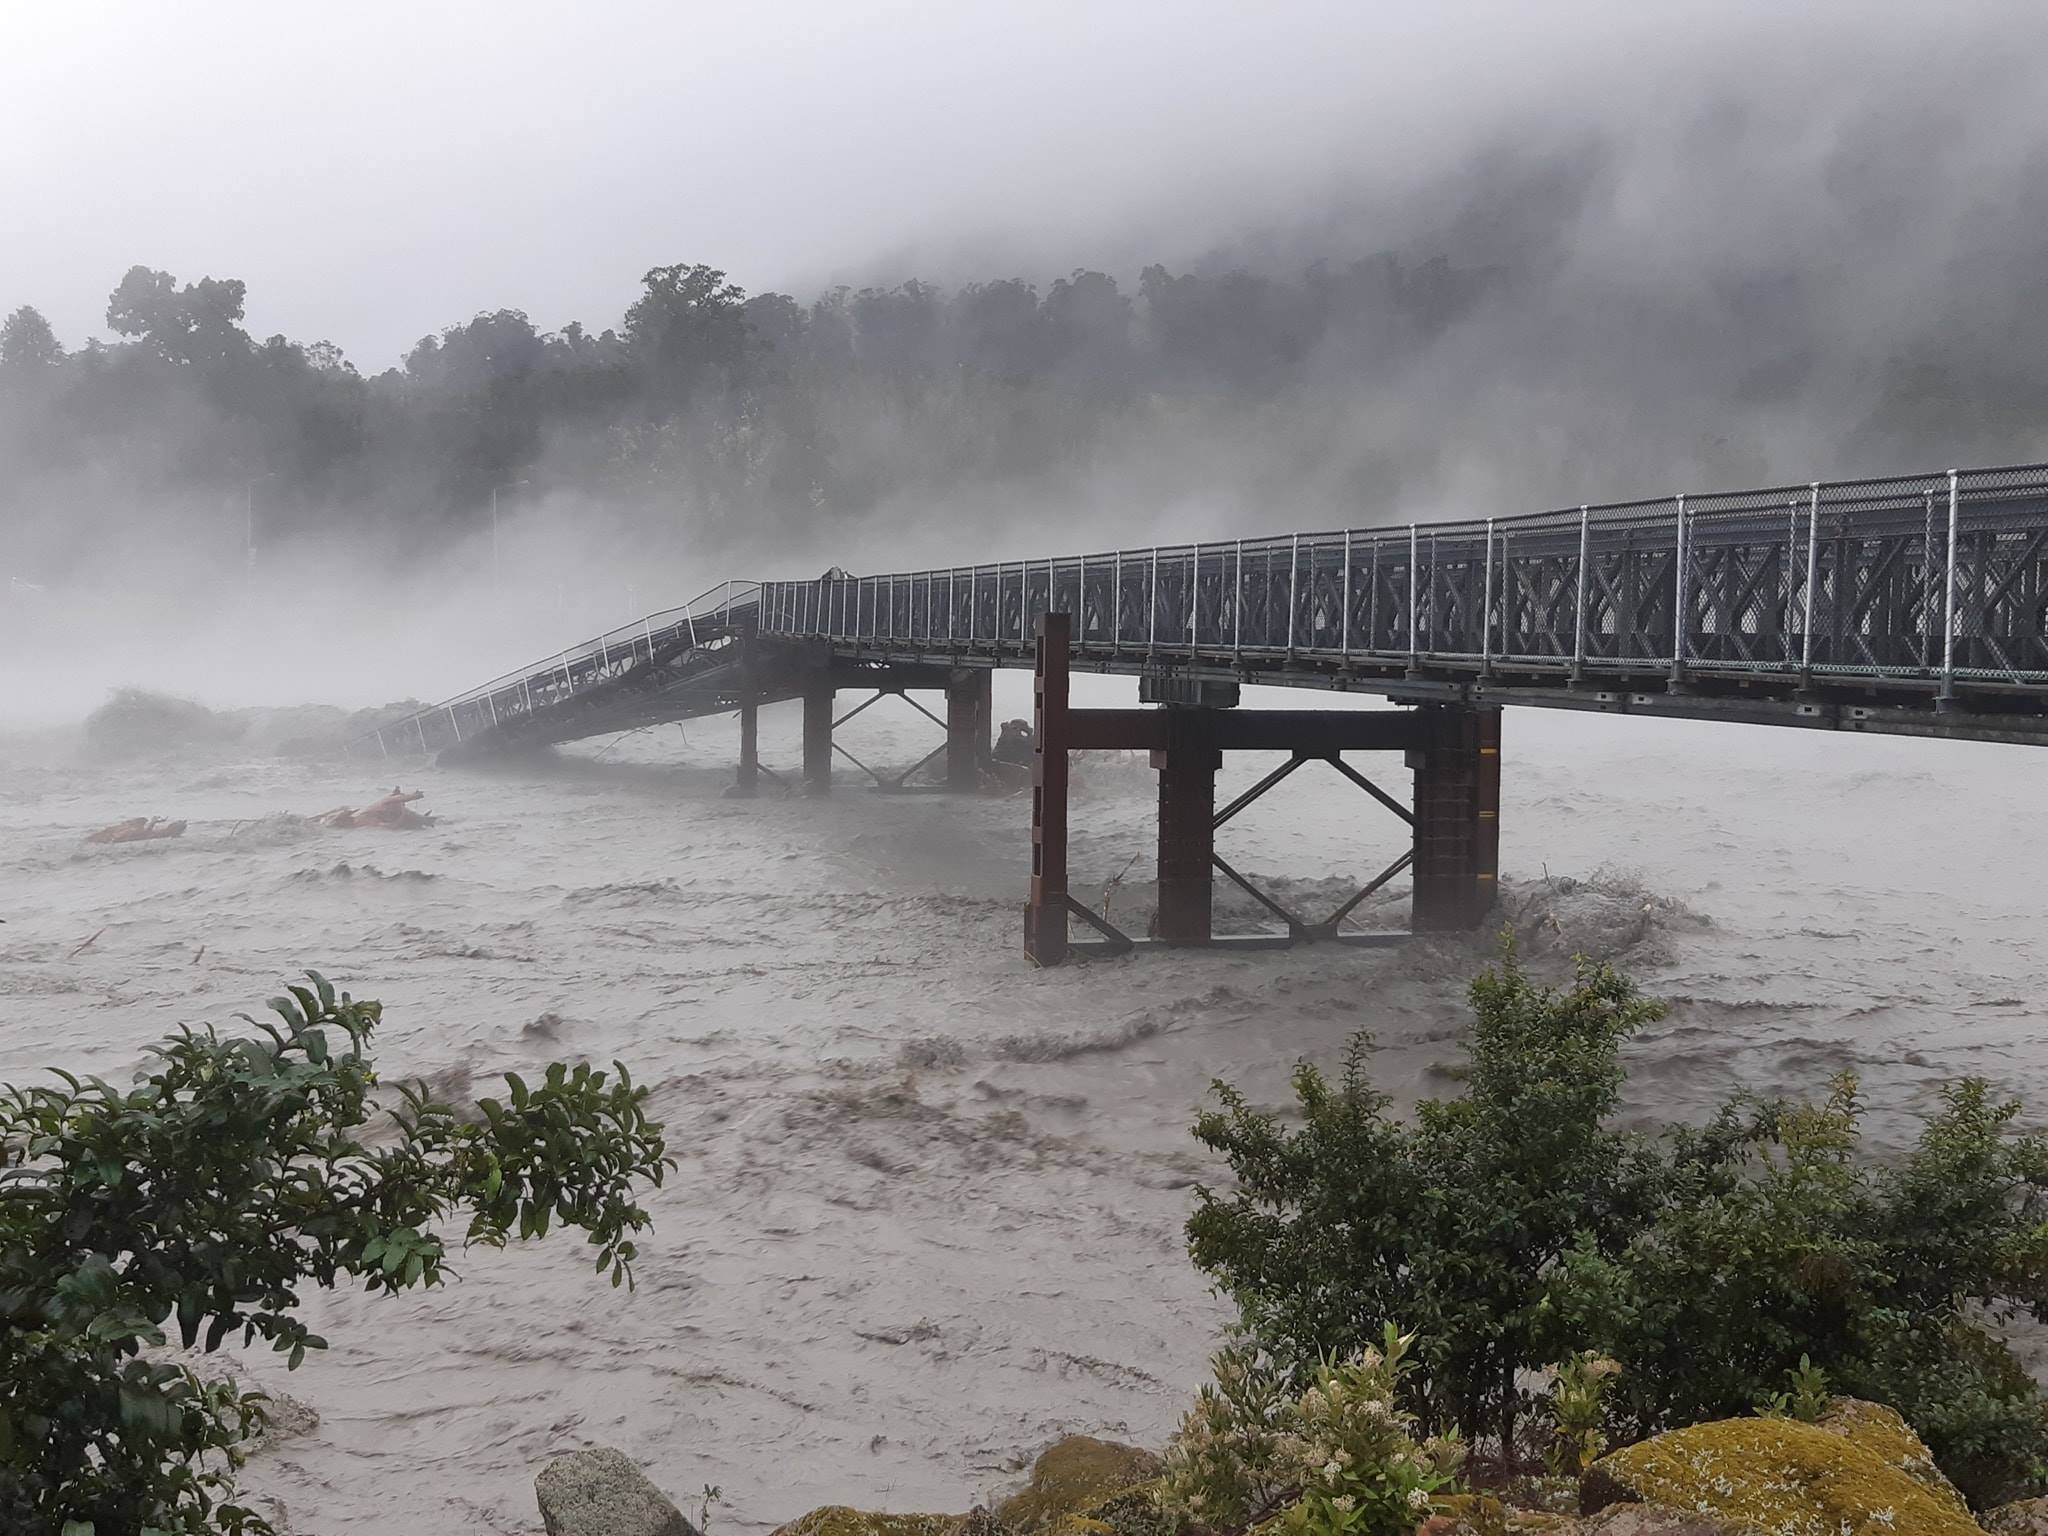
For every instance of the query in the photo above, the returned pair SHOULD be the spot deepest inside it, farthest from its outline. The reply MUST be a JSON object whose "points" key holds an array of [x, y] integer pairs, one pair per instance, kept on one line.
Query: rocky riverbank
{"points": [[1857, 1471]]}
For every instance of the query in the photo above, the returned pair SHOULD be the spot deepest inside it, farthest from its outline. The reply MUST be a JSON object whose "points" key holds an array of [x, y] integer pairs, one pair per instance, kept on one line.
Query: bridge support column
{"points": [[1045, 916], [969, 716], [819, 700], [1187, 826], [747, 782], [1457, 818]]}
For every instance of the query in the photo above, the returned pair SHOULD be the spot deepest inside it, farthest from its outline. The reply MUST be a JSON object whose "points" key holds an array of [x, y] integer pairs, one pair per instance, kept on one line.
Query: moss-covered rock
{"points": [[1649, 1520], [1779, 1476], [2028, 1517], [839, 1520], [1467, 1514], [1070, 1477], [1886, 1435]]}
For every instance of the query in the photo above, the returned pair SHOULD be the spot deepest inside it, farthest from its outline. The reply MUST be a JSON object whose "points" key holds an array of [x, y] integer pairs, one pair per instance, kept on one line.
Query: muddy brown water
{"points": [[929, 1203]]}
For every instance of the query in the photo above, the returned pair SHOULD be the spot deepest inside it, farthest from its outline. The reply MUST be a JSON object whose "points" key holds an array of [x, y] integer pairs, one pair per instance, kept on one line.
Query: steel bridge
{"points": [[1913, 605]]}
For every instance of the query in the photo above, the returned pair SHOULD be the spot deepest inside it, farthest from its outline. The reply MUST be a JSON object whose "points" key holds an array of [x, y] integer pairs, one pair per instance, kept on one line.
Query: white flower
{"points": [[1418, 1498]]}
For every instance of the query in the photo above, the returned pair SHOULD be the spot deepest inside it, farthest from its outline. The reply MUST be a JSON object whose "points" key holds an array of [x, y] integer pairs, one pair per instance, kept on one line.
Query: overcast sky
{"points": [[377, 171]]}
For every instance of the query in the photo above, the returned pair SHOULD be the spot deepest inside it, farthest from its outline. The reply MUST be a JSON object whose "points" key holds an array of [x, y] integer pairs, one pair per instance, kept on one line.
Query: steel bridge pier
{"points": [[768, 671], [1454, 825]]}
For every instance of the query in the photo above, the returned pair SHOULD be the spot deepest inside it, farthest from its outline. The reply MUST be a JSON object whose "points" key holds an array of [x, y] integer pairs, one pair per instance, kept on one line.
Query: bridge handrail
{"points": [[712, 609], [1753, 572]]}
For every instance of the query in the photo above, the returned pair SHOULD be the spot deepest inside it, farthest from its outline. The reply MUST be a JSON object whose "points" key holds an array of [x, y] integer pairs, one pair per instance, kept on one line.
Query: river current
{"points": [[928, 1208]]}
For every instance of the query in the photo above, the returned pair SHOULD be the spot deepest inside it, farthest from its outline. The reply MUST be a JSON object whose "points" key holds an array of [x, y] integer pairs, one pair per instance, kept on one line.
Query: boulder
{"points": [[1884, 1433], [1774, 1475], [839, 1520], [2029, 1517], [1648, 1520], [1466, 1514], [601, 1493], [1070, 1476], [1615, 1520]]}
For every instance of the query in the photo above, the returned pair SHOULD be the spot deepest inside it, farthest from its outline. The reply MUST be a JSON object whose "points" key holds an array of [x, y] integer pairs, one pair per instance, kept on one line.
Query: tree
{"points": [[231, 1177], [197, 324], [26, 340], [688, 331]]}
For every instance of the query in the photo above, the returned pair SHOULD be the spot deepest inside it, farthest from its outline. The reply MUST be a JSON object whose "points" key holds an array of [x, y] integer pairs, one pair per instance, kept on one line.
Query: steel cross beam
{"points": [[1454, 824]]}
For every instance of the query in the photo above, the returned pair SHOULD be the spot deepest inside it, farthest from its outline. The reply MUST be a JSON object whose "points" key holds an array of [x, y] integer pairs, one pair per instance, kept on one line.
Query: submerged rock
{"points": [[601, 1493], [1070, 1476], [1778, 1476]]}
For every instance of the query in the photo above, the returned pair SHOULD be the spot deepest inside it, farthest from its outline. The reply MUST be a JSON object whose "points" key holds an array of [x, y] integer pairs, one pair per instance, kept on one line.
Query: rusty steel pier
{"points": [[1911, 605], [1453, 751]]}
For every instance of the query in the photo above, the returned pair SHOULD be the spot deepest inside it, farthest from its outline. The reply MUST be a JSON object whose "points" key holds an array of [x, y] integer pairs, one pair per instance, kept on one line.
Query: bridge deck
{"points": [[1917, 605]]}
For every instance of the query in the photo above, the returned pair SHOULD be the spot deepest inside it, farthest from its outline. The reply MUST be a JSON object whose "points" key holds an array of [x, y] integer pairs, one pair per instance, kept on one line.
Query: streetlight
{"points": [[496, 574], [249, 518]]}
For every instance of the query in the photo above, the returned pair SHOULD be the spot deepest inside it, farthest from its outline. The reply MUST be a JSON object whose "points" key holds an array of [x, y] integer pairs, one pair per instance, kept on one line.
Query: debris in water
{"points": [[137, 829], [391, 812]]}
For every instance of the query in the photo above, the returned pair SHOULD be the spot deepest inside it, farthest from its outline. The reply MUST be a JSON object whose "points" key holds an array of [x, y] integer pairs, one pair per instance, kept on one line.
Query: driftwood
{"points": [[391, 813], [137, 829]]}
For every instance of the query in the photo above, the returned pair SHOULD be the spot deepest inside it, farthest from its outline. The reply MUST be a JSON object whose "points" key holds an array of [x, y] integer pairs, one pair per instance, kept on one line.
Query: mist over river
{"points": [[929, 1203]]}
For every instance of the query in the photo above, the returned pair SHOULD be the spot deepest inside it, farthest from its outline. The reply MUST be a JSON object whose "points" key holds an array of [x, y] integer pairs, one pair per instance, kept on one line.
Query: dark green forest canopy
{"points": [[760, 399], [1357, 390]]}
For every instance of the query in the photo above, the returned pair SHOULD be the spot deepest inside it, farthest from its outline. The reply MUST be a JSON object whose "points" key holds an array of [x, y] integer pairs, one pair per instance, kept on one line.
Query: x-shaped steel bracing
{"points": [[1296, 926], [902, 779]]}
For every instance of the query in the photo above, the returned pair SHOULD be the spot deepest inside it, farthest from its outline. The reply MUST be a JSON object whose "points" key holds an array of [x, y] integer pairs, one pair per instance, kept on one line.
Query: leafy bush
{"points": [[1512, 1226], [1338, 1459], [1805, 1398], [1788, 1249], [1578, 1413], [1455, 1224], [232, 1176]]}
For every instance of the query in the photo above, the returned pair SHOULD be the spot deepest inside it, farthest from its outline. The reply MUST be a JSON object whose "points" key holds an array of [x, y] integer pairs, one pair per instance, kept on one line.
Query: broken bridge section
{"points": [[769, 671], [1453, 752]]}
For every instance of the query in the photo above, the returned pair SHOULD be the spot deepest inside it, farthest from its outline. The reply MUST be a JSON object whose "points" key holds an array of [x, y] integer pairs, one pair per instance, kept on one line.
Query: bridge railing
{"points": [[705, 620], [1939, 576]]}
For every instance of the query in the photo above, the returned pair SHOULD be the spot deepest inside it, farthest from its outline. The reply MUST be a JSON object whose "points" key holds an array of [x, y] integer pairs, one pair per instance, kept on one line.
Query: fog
{"points": [[357, 354], [1057, 276]]}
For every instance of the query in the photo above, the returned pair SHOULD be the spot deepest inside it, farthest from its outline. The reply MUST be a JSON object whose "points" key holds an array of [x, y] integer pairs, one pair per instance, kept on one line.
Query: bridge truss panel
{"points": [[1940, 579], [1933, 582]]}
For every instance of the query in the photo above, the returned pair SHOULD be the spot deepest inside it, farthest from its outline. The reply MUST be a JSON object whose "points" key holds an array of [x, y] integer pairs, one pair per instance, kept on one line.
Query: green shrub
{"points": [[208, 1195], [1455, 1224], [1338, 1458], [1791, 1250], [1805, 1398], [1512, 1227], [1578, 1413]]}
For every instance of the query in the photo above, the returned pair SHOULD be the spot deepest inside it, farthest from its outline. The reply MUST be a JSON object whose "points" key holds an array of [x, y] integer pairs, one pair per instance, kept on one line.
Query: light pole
{"points": [[249, 518], [497, 575]]}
